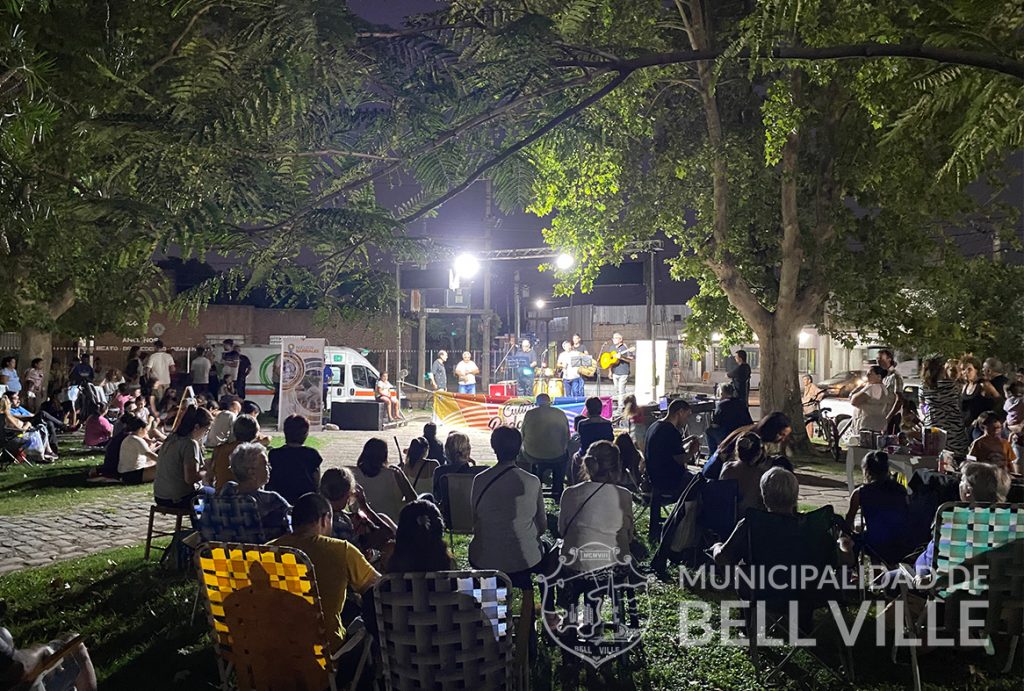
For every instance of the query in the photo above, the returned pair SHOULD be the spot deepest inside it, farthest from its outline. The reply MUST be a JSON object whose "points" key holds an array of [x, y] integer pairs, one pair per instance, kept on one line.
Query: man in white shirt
{"points": [[201, 370], [161, 365], [466, 371], [222, 429], [568, 363]]}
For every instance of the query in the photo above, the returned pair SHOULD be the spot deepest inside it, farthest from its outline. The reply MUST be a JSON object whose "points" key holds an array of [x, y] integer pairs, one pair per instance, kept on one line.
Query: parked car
{"points": [[842, 384]]}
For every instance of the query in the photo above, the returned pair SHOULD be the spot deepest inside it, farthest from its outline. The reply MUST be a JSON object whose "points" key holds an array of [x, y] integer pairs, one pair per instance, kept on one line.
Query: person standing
{"points": [[992, 368], [976, 396], [620, 370], [527, 361], [161, 365], [228, 360], [133, 366], [568, 363], [740, 375], [328, 375], [438, 374], [33, 385], [244, 370], [466, 371], [200, 370], [893, 381], [873, 402]]}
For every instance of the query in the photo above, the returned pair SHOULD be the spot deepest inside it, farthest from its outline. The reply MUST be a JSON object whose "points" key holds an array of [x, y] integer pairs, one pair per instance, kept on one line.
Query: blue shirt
{"points": [[20, 412], [13, 382]]}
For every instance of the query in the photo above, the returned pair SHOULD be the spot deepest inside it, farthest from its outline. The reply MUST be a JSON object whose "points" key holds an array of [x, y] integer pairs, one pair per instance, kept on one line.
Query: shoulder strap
{"points": [[589, 497], [488, 486], [419, 472]]}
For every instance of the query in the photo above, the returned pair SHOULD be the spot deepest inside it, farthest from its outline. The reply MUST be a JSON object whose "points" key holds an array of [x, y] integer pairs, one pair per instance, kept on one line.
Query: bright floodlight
{"points": [[539, 304], [466, 265], [716, 337], [564, 261]]}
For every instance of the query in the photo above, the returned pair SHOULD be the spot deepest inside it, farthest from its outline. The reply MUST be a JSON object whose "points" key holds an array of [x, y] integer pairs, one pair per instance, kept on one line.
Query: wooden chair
{"points": [[446, 630], [969, 535], [267, 625], [179, 516]]}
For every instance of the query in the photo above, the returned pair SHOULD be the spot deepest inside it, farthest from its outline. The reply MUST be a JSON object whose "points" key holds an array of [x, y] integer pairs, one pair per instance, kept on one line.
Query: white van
{"points": [[353, 378]]}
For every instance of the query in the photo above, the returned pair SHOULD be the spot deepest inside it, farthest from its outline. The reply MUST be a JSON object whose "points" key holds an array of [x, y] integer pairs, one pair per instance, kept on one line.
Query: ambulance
{"points": [[353, 378]]}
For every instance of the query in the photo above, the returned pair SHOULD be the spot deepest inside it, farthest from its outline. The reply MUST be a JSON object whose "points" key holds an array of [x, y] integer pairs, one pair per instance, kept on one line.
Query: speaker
{"points": [[362, 415]]}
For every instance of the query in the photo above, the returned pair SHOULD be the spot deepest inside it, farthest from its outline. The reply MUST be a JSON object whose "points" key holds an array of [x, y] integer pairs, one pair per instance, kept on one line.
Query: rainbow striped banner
{"points": [[477, 411]]}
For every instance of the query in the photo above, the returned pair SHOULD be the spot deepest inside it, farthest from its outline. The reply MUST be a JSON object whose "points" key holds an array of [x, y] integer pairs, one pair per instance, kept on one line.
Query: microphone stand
{"points": [[598, 359], [503, 359]]}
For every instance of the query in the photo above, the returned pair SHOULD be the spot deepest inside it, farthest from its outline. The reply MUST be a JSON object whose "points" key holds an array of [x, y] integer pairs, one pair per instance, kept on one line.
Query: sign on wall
{"points": [[302, 372]]}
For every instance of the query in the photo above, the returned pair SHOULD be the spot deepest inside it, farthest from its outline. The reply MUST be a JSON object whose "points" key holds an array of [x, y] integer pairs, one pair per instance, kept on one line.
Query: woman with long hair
{"points": [[631, 460], [977, 394], [387, 488], [773, 429], [180, 463], [419, 541], [419, 469], [940, 403], [749, 465]]}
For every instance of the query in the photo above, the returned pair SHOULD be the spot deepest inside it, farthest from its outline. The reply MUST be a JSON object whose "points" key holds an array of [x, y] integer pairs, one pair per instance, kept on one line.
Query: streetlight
{"points": [[466, 265], [540, 303], [564, 261]]}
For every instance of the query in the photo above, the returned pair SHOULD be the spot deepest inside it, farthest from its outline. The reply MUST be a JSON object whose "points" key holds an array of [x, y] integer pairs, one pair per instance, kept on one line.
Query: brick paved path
{"points": [[38, 539]]}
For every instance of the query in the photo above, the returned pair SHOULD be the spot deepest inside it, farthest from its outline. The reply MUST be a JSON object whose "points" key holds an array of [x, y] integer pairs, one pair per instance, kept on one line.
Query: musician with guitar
{"points": [[618, 360]]}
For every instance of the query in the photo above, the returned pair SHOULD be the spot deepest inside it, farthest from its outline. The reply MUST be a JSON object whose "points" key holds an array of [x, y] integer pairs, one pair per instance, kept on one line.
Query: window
{"points": [[724, 360], [362, 377], [808, 358]]}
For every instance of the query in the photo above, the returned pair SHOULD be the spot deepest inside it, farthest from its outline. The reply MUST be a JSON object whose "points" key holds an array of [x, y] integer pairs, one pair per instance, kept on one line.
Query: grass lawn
{"points": [[137, 620]]}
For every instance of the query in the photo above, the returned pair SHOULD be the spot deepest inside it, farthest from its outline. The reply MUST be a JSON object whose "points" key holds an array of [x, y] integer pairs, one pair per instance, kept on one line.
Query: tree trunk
{"points": [[36, 343], [780, 380]]}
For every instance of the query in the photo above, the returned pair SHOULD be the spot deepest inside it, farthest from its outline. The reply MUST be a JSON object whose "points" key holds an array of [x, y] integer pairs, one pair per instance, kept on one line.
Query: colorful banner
{"points": [[481, 412], [302, 377]]}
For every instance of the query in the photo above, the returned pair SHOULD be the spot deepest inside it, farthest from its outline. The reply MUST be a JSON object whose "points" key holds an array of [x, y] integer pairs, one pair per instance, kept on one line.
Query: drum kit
{"points": [[547, 382]]}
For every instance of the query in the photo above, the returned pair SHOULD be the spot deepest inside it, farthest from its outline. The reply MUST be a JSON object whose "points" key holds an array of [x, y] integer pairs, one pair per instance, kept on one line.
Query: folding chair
{"points": [[229, 519], [460, 504], [792, 543], [266, 622], [446, 630], [968, 535], [11, 452]]}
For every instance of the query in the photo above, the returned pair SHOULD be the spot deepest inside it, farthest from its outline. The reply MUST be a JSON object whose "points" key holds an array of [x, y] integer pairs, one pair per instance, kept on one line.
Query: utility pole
{"points": [[397, 374], [517, 297], [650, 326], [485, 360]]}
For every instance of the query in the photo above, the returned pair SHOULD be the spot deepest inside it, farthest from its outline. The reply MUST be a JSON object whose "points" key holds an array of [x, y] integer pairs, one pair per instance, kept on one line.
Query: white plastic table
{"points": [[902, 463]]}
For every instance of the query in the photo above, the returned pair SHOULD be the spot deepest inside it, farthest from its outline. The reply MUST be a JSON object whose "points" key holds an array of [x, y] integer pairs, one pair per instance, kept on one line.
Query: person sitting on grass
{"points": [[136, 459], [883, 504], [32, 440], [251, 470], [338, 565], [19, 667], [779, 492], [387, 487], [372, 533], [294, 467], [419, 541], [417, 467], [98, 429], [244, 430], [458, 451]]}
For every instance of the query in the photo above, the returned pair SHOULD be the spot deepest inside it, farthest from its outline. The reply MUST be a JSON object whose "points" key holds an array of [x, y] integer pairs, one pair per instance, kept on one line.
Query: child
{"points": [[228, 387], [990, 447], [1014, 407], [98, 429], [884, 510]]}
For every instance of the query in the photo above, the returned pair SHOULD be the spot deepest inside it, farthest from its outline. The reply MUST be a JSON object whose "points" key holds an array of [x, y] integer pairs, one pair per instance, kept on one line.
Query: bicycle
{"points": [[831, 428]]}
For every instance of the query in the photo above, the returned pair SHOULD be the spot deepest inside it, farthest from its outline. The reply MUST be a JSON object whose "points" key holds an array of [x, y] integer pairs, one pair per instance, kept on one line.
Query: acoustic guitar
{"points": [[609, 359]]}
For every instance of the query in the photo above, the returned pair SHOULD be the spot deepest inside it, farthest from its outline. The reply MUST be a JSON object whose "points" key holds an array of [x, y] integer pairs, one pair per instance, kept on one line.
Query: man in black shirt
{"points": [[730, 414], [668, 454], [740, 376], [244, 369], [593, 427]]}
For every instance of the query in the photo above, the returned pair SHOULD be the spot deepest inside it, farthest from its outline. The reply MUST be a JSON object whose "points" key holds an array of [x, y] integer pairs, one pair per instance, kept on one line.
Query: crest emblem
{"points": [[595, 603]]}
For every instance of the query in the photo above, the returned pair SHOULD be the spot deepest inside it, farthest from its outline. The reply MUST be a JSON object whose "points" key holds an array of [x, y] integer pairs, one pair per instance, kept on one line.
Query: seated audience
{"points": [[667, 456], [597, 510], [779, 493], [436, 449], [545, 433], [883, 505], [369, 531], [251, 470], [252, 410], [773, 429], [244, 430], [632, 462], [338, 564], [32, 439], [120, 398], [54, 408], [295, 467], [419, 541], [386, 487], [417, 467], [179, 466], [751, 463], [990, 447], [220, 433], [593, 427], [18, 666], [51, 425], [508, 512], [457, 451], [730, 414], [137, 461], [98, 429]]}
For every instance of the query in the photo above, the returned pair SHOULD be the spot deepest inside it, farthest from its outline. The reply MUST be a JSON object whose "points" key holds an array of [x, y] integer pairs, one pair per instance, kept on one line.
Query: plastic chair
{"points": [[266, 621], [460, 504], [446, 630], [969, 535]]}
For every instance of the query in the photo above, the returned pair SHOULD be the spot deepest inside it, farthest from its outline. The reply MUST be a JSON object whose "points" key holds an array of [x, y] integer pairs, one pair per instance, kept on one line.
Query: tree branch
{"points": [[399, 33], [986, 61], [172, 52], [319, 153], [519, 146]]}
